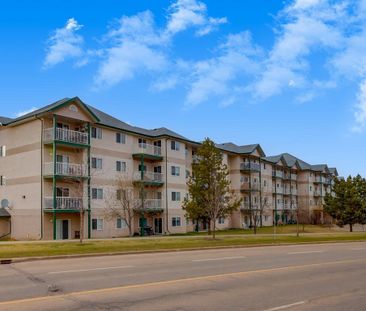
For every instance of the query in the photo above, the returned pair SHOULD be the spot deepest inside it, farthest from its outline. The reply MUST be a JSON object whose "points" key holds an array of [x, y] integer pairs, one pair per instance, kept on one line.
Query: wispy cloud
{"points": [[135, 46], [184, 14], [219, 76], [63, 44], [309, 25], [24, 112]]}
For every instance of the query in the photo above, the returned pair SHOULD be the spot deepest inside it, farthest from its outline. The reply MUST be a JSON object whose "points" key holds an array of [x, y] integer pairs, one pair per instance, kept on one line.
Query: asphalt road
{"points": [[304, 277]]}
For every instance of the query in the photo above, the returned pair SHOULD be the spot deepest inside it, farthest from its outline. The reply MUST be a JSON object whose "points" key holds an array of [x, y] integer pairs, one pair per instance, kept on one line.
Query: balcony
{"points": [[66, 136], [278, 190], [287, 177], [152, 205], [294, 177], [148, 152], [68, 170], [63, 204], [250, 167], [246, 186], [245, 206], [287, 191], [277, 174], [319, 180], [317, 193], [150, 178]]}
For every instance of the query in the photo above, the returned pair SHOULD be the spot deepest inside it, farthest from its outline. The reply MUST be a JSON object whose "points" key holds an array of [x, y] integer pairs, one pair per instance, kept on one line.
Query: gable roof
{"points": [[320, 168], [51, 107], [333, 171], [245, 149], [5, 121], [289, 159]]}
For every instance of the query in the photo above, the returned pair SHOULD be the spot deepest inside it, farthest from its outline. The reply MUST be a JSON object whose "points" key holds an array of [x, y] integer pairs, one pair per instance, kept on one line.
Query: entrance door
{"points": [[158, 225], [62, 229]]}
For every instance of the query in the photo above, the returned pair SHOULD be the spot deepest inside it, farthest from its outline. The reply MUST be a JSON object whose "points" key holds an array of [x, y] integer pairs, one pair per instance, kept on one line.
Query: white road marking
{"points": [[305, 252], [217, 259], [87, 270], [287, 306]]}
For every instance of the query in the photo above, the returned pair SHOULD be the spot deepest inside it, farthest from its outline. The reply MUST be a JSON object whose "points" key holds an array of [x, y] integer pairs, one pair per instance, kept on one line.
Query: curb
{"points": [[42, 258]]}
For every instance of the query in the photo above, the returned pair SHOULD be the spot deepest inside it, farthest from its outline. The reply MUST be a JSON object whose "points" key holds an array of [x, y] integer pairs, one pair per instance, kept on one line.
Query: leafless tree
{"points": [[260, 210], [122, 203]]}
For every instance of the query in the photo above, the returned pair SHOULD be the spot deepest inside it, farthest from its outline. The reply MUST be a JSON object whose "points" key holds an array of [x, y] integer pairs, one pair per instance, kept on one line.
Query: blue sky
{"points": [[290, 75]]}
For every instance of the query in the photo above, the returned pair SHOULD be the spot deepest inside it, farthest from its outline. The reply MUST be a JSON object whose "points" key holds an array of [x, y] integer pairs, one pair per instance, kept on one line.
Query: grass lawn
{"points": [[162, 243], [287, 229]]}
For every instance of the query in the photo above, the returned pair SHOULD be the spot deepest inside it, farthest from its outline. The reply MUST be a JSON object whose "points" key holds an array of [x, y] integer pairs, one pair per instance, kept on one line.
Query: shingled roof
{"points": [[245, 149], [289, 159]]}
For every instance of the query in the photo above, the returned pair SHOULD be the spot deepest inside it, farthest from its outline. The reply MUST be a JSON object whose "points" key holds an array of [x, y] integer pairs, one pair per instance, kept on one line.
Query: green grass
{"points": [[287, 229], [162, 243]]}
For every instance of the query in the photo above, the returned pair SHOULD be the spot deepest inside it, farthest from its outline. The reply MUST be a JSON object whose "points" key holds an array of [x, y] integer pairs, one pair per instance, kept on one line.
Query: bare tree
{"points": [[260, 210], [122, 203]]}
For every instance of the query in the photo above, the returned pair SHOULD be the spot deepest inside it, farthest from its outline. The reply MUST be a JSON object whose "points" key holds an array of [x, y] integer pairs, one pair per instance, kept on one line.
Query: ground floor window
{"points": [[97, 224], [176, 222], [121, 223], [221, 220]]}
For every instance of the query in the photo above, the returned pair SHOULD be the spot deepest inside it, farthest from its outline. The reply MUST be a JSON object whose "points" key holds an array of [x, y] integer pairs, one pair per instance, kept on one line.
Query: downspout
{"points": [[166, 188], [42, 128]]}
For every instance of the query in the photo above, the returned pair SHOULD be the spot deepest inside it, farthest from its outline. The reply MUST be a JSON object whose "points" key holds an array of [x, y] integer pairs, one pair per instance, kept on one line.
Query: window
{"points": [[174, 145], [264, 166], [187, 173], [176, 222], [221, 220], [175, 170], [311, 188], [120, 138], [142, 168], [175, 196], [2, 181], [97, 163], [2, 151], [264, 183], [97, 194], [120, 166], [97, 224], [142, 143], [121, 223], [96, 133]]}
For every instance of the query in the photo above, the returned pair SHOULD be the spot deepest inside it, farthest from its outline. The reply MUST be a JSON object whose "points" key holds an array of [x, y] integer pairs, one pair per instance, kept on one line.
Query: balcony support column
{"points": [[54, 176], [142, 195], [89, 205]]}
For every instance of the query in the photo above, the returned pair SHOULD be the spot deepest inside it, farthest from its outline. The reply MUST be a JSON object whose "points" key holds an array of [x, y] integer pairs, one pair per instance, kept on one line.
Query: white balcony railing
{"points": [[287, 191], [64, 203], [294, 177], [250, 166], [248, 186], [247, 206], [149, 177], [147, 149], [65, 135], [317, 193], [278, 190], [278, 174], [149, 204], [65, 169]]}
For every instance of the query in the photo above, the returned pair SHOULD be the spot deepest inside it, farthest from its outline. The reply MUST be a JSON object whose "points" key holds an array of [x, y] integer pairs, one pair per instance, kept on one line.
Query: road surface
{"points": [[302, 277]]}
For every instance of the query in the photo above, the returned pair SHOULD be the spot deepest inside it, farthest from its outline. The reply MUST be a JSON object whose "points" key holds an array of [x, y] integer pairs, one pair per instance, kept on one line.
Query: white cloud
{"points": [[24, 112], [309, 26], [184, 14], [63, 44], [135, 46], [360, 113], [219, 76]]}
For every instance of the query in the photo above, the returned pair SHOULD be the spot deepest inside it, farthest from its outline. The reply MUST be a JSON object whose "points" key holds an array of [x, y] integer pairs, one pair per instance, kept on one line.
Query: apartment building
{"points": [[66, 157]]}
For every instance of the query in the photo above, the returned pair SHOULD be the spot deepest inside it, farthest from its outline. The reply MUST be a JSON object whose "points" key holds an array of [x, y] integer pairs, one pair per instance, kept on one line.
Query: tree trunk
{"points": [[214, 230], [209, 227], [350, 228], [255, 224]]}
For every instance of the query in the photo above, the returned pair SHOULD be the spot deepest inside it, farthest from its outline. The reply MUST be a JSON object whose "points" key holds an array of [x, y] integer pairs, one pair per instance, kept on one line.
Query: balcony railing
{"points": [[149, 204], [148, 149], [65, 135], [277, 174], [294, 177], [287, 191], [278, 190], [63, 203], [246, 186], [65, 169], [149, 177], [317, 193], [287, 176], [320, 179], [245, 206], [250, 166]]}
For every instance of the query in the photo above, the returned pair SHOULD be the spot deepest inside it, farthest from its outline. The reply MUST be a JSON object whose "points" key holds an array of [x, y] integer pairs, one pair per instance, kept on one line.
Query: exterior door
{"points": [[158, 225], [62, 229]]}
